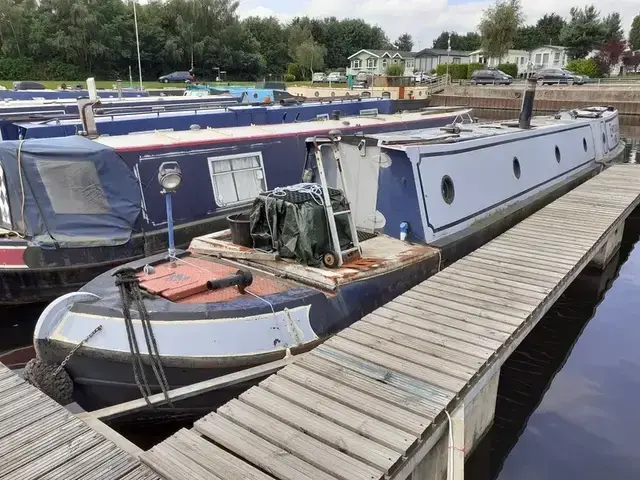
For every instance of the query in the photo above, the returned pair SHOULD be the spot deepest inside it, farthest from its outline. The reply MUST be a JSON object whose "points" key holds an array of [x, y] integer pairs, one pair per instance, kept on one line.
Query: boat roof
{"points": [[408, 138], [144, 141]]}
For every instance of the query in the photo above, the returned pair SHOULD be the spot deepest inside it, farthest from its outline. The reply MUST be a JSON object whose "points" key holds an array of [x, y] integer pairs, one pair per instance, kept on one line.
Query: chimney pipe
{"points": [[527, 104]]}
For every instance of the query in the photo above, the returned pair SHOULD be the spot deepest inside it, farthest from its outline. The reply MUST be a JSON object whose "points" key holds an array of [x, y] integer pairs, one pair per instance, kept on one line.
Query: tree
{"points": [[404, 43], [613, 28], [467, 42], [611, 52], [309, 55], [272, 37], [499, 26], [631, 60], [584, 32], [395, 70], [528, 38], [549, 28], [634, 34]]}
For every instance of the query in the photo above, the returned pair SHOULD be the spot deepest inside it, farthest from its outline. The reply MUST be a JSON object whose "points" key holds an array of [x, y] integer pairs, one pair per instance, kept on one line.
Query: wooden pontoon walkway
{"points": [[39, 439], [372, 401]]}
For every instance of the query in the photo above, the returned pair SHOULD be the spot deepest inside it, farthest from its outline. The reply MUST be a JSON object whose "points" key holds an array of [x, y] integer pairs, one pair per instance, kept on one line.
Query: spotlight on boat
{"points": [[170, 178]]}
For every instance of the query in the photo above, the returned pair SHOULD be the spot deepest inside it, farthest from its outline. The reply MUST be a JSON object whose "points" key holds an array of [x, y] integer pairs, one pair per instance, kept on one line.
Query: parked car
{"points": [[554, 76], [319, 77], [174, 77], [28, 86], [424, 77], [577, 79], [337, 77], [2, 87], [490, 77]]}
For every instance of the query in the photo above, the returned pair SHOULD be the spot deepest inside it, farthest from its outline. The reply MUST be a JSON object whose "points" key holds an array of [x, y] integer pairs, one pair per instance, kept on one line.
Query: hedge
{"points": [[509, 69], [294, 69], [584, 66], [472, 67], [23, 68], [456, 70]]}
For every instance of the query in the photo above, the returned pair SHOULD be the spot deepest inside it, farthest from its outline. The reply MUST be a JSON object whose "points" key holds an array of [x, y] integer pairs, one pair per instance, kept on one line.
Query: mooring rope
{"points": [[129, 287]]}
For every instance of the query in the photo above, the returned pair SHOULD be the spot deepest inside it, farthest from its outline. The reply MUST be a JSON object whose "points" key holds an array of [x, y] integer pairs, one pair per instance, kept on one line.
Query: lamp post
{"points": [[448, 54], [170, 178]]}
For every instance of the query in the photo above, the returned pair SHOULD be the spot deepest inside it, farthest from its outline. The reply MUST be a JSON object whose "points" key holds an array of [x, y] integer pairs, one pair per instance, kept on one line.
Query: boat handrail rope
{"points": [[129, 287]]}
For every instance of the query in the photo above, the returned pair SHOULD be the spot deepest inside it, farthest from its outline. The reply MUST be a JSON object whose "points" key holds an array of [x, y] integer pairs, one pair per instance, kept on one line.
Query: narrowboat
{"points": [[418, 199], [73, 207]]}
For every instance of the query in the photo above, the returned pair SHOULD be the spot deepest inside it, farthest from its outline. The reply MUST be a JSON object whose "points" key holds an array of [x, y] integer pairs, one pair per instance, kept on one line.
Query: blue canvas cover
{"points": [[74, 192]]}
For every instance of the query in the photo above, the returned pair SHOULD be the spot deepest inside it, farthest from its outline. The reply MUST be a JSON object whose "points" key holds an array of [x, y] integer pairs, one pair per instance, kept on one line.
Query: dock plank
{"points": [[377, 391]]}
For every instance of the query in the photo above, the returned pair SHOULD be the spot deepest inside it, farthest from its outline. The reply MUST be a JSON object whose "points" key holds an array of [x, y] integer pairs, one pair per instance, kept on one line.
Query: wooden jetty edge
{"points": [[408, 391], [39, 439]]}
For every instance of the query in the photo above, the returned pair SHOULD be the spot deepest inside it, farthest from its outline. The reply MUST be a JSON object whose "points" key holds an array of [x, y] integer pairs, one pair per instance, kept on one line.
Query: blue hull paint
{"points": [[218, 118], [65, 94]]}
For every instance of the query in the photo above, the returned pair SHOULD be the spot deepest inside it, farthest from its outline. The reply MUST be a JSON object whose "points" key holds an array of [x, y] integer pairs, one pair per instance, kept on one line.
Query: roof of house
{"points": [[555, 47], [390, 52], [436, 52]]}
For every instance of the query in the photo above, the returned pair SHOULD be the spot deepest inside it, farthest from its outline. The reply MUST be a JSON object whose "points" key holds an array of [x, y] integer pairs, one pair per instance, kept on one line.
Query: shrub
{"points": [[456, 70], [472, 67], [294, 69], [509, 69], [289, 78], [395, 70], [584, 66], [432, 71]]}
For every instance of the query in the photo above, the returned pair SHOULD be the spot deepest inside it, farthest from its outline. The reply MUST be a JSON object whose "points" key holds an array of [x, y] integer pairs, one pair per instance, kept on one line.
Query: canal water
{"points": [[568, 396]]}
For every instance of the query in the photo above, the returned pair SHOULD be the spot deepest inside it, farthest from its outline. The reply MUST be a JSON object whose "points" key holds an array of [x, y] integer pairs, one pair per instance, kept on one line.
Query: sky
{"points": [[424, 19]]}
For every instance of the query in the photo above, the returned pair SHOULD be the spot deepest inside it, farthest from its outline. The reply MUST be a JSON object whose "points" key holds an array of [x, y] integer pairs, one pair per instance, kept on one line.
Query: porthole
{"points": [[447, 189], [317, 94], [558, 156], [365, 94], [584, 143], [516, 167], [333, 94], [255, 95], [386, 94]]}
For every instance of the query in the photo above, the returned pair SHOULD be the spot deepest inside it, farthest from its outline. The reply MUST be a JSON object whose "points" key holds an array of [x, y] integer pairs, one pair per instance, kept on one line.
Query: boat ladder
{"points": [[337, 256]]}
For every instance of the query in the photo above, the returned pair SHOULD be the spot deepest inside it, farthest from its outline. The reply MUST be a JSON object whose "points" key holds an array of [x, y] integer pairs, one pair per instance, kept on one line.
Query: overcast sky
{"points": [[424, 19]]}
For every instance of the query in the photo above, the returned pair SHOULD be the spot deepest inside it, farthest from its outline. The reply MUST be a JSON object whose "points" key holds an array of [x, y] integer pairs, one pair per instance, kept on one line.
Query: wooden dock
{"points": [[39, 439], [408, 391]]}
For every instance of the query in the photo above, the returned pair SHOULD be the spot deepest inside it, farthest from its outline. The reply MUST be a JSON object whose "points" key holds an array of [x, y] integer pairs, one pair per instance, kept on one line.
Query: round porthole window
{"points": [[447, 189], [584, 143], [255, 95], [333, 94], [558, 156], [316, 94], [516, 167]]}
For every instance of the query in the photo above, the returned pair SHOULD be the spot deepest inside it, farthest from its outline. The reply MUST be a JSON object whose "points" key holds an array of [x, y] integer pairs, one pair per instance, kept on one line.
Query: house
{"points": [[549, 56], [429, 58], [519, 57], [375, 62]]}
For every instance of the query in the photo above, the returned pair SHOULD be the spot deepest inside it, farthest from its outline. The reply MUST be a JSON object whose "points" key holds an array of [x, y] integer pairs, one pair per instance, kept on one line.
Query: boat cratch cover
{"points": [[69, 192], [293, 222]]}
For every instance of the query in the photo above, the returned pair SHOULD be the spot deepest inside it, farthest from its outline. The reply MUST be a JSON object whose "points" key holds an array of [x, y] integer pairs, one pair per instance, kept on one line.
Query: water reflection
{"points": [[585, 425]]}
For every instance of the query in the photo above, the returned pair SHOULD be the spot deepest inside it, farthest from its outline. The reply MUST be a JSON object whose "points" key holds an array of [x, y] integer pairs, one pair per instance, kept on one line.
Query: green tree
{"points": [[404, 43], [584, 32], [634, 33], [272, 37], [584, 66], [309, 56], [467, 42], [613, 28], [549, 28], [499, 26], [395, 70]]}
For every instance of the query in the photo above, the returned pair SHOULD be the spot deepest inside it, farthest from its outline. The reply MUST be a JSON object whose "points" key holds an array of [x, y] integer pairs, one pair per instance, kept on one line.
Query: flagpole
{"points": [[135, 20]]}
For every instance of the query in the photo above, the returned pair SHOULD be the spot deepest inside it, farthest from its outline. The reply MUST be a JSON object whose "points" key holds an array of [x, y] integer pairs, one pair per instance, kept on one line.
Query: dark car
{"points": [[177, 77], [555, 76], [28, 86], [490, 77]]}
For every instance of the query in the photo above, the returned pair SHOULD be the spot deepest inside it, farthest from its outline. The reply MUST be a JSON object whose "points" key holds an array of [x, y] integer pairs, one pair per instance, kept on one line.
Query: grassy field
{"points": [[147, 85]]}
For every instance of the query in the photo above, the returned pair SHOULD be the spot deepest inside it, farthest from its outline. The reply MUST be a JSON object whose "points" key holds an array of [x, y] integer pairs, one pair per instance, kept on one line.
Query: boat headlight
{"points": [[169, 176]]}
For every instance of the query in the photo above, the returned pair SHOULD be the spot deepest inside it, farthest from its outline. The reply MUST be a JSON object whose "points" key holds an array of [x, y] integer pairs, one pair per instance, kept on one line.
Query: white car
{"points": [[2, 88], [319, 77], [337, 77]]}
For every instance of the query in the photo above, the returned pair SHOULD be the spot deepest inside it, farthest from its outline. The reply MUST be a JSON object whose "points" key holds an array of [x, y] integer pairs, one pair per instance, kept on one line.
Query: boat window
{"points": [[73, 187], [516, 167], [448, 191], [558, 156], [237, 178], [584, 143]]}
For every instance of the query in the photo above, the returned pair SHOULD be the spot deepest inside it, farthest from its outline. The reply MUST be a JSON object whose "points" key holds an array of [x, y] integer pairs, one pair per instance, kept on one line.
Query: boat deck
{"points": [[40, 439], [373, 401]]}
